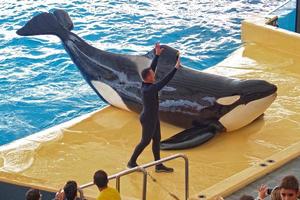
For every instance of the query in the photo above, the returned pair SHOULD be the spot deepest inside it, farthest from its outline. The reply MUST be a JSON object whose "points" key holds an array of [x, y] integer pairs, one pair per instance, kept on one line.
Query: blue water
{"points": [[287, 15], [41, 87]]}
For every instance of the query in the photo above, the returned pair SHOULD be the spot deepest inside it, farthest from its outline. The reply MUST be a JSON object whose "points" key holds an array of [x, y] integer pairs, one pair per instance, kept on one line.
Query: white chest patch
{"points": [[243, 115], [109, 94], [228, 100]]}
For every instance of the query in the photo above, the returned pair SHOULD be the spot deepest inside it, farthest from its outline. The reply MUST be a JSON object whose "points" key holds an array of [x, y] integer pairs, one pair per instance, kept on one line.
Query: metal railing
{"points": [[279, 7], [142, 169]]}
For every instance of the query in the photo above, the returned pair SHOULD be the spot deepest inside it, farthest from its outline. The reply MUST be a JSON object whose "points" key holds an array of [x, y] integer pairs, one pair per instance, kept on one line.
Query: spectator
{"points": [[106, 192], [69, 192], [289, 188], [275, 194], [262, 192], [33, 194]]}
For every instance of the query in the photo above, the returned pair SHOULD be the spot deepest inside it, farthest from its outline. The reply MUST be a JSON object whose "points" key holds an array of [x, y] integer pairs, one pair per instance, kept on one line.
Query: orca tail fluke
{"points": [[56, 23]]}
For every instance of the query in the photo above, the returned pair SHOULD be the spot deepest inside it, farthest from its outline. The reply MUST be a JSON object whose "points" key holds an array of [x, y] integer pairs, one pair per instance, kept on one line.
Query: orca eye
{"points": [[228, 100]]}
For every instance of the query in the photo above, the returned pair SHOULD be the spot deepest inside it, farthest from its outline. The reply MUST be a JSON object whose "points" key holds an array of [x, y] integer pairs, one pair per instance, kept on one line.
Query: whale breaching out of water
{"points": [[203, 104]]}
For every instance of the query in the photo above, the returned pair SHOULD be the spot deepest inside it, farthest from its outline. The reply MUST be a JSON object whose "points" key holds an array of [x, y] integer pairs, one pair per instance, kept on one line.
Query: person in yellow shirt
{"points": [[106, 192]]}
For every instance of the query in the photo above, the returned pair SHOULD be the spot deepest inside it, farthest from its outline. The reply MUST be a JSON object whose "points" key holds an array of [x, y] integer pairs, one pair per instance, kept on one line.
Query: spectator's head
{"points": [[33, 194], [275, 194], [100, 179], [70, 190], [246, 197], [148, 75], [289, 188]]}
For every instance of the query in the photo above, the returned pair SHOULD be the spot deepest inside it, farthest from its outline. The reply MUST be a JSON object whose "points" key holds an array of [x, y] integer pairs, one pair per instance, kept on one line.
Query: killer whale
{"points": [[202, 103]]}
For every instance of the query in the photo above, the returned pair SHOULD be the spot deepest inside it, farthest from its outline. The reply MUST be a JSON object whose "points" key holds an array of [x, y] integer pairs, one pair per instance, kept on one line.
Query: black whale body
{"points": [[202, 103]]}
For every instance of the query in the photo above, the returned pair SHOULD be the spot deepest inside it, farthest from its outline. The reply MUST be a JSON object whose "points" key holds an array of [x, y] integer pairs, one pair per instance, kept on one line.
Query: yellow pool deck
{"points": [[105, 139]]}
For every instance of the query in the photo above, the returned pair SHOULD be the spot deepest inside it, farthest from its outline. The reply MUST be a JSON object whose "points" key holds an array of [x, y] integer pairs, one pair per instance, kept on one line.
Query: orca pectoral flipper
{"points": [[188, 138]]}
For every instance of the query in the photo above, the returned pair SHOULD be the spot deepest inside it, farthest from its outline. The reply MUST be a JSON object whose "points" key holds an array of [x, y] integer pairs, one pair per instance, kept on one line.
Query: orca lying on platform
{"points": [[203, 103]]}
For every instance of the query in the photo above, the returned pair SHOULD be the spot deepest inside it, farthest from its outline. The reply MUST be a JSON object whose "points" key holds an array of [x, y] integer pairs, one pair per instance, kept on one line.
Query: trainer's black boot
{"points": [[131, 165], [161, 168]]}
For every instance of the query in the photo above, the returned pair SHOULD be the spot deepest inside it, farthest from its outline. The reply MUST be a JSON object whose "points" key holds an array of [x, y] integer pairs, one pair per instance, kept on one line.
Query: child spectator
{"points": [[289, 188]]}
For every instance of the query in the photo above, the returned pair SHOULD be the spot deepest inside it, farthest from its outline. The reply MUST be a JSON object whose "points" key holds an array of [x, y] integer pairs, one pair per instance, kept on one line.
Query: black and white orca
{"points": [[203, 104]]}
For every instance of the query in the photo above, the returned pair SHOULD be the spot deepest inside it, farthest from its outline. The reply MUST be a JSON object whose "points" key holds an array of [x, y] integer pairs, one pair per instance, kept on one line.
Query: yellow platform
{"points": [[105, 139]]}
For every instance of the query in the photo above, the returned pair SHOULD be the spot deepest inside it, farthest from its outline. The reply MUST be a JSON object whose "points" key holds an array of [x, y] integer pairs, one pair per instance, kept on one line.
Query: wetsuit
{"points": [[149, 117]]}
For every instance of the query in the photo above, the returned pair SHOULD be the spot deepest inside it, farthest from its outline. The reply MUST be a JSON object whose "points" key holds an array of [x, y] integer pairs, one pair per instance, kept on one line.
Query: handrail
{"points": [[279, 7], [142, 168]]}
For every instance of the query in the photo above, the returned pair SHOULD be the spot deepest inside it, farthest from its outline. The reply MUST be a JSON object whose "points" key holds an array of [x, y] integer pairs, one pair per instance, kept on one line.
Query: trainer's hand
{"points": [[158, 50], [177, 66]]}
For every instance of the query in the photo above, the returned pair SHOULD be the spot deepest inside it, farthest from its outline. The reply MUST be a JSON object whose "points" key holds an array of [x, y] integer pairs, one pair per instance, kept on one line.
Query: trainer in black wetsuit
{"points": [[149, 117]]}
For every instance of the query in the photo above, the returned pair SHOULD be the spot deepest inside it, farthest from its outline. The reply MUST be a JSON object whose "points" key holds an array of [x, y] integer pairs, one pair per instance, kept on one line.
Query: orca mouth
{"points": [[256, 89]]}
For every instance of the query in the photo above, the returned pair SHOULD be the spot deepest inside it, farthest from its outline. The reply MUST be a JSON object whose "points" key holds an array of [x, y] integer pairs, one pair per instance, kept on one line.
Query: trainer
{"points": [[149, 117]]}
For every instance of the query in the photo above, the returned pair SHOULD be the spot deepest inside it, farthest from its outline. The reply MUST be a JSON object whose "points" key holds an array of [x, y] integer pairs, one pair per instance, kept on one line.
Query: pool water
{"points": [[41, 87], [287, 15]]}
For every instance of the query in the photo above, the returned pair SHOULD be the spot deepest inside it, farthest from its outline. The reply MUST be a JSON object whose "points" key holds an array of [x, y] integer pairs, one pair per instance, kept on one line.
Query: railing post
{"points": [[80, 193], [118, 184], [144, 183], [186, 163]]}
